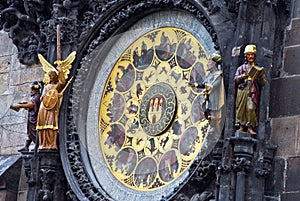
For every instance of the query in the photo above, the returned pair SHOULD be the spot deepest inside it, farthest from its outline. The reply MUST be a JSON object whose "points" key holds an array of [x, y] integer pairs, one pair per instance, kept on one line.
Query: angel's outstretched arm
{"points": [[61, 78]]}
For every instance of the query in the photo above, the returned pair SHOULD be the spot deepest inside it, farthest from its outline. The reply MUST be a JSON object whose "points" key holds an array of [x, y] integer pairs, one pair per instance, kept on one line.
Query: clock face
{"points": [[151, 122]]}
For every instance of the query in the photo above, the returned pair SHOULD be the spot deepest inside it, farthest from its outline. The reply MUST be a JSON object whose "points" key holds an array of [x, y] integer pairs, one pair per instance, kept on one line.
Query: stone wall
{"points": [[15, 79], [285, 116]]}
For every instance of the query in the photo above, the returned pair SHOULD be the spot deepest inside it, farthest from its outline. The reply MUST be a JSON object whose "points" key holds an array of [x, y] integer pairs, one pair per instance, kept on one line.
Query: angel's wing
{"points": [[66, 64], [47, 67]]}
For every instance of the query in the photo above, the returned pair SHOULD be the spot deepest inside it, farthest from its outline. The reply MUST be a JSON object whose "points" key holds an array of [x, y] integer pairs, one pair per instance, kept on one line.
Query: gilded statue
{"points": [[55, 85]]}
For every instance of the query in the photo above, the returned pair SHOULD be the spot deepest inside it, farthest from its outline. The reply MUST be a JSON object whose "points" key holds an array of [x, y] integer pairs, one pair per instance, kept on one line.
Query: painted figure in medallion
{"points": [[248, 80], [165, 49], [55, 84]]}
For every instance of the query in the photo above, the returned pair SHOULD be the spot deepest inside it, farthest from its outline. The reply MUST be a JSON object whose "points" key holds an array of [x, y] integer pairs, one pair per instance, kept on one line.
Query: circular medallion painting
{"points": [[152, 124]]}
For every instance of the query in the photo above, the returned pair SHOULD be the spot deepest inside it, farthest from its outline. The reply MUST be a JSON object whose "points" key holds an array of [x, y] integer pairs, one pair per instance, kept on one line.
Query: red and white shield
{"points": [[155, 109]]}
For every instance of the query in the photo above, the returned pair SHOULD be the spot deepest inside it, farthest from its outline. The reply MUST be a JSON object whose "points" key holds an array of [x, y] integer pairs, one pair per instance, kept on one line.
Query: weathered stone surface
{"points": [[292, 60], [4, 83], [12, 167], [5, 62], [15, 77], [292, 36], [13, 136], [14, 87], [22, 195], [293, 176], [22, 92], [275, 181], [2, 195], [13, 131], [6, 47], [295, 196], [271, 198], [15, 63], [296, 10], [26, 76], [285, 135], [5, 102], [284, 96], [38, 73]]}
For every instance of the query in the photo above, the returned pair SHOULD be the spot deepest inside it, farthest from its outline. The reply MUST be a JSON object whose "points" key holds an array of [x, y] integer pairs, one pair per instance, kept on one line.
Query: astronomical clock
{"points": [[145, 126]]}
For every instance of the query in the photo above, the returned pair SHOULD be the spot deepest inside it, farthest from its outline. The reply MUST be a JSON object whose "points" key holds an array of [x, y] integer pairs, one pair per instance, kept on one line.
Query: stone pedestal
{"points": [[243, 150], [45, 176]]}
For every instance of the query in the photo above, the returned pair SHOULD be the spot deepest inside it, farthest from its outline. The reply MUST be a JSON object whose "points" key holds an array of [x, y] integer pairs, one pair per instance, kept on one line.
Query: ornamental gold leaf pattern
{"points": [[150, 119]]}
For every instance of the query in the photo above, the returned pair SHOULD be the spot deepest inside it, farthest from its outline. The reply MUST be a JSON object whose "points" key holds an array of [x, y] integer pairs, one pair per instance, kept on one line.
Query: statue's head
{"points": [[53, 77], [250, 51], [216, 57], [214, 60], [35, 87]]}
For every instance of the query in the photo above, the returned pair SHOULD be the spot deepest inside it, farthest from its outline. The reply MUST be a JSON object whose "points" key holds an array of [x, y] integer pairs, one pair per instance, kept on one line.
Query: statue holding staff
{"points": [[55, 84]]}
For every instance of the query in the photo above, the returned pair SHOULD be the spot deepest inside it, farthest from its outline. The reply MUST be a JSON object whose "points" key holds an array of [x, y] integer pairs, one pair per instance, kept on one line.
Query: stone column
{"points": [[225, 173], [243, 150], [262, 169], [29, 164]]}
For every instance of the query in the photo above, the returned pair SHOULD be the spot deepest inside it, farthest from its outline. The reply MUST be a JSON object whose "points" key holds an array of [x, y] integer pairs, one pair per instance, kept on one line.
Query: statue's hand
{"points": [[208, 88], [192, 84], [15, 108], [245, 75]]}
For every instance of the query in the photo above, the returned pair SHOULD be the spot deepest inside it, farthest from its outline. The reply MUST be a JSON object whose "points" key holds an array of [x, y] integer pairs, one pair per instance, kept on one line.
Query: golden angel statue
{"points": [[55, 84]]}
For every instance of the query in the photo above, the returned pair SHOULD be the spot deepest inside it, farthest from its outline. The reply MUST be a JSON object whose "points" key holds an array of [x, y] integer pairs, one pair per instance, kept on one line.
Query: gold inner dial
{"points": [[151, 122]]}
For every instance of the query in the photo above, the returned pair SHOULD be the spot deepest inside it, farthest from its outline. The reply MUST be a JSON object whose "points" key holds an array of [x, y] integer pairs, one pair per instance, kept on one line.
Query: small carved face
{"points": [[250, 57]]}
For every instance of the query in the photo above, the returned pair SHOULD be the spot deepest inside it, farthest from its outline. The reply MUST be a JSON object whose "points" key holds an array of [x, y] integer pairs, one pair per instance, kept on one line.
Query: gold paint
{"points": [[158, 68]]}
